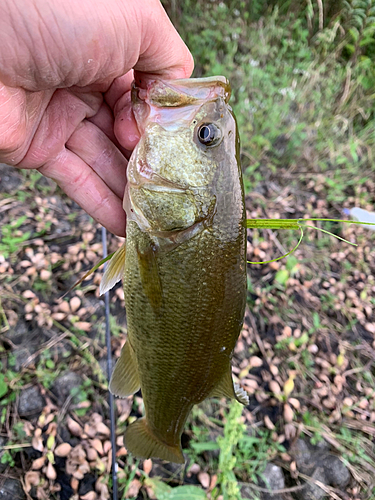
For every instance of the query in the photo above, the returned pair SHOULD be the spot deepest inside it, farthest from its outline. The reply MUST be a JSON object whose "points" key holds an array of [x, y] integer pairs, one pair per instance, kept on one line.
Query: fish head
{"points": [[188, 132]]}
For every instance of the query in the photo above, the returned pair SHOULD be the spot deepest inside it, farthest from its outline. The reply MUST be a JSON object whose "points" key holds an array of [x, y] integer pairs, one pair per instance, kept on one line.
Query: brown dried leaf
{"points": [[107, 446], [92, 454], [37, 443], [38, 463], [83, 325], [97, 445], [74, 427], [204, 479], [75, 303], [288, 413], [268, 423], [91, 495], [63, 450], [32, 478], [147, 466], [74, 483], [134, 488], [103, 429], [51, 472]]}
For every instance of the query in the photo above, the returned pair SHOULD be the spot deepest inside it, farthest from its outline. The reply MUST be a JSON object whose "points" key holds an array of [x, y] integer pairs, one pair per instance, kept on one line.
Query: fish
{"points": [[183, 264]]}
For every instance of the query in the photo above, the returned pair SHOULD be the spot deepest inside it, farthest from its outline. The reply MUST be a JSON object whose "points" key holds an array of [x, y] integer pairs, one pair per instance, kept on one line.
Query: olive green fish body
{"points": [[185, 263]]}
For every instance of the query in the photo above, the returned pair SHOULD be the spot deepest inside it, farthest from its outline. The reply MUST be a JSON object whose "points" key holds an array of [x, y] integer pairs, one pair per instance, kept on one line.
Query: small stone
{"points": [[31, 402], [64, 384], [11, 489], [336, 472], [311, 490], [273, 479]]}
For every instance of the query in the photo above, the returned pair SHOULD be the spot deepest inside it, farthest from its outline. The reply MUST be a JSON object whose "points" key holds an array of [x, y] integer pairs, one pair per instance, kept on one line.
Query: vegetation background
{"points": [[303, 82]]}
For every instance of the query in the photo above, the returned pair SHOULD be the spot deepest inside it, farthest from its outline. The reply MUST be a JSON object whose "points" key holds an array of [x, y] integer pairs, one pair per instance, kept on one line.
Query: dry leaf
{"points": [[32, 478], [51, 472], [37, 443], [147, 466], [103, 429], [92, 454], [106, 447], [74, 303], [134, 488], [204, 479], [38, 463], [74, 427], [268, 423], [97, 445], [63, 450], [91, 495], [288, 413], [74, 483]]}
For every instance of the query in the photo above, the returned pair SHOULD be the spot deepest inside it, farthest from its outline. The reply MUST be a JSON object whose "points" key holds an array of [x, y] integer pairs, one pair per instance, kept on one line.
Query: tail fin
{"points": [[140, 441]]}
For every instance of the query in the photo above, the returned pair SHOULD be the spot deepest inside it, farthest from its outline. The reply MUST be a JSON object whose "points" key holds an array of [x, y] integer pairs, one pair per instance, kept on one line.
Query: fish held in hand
{"points": [[184, 268]]}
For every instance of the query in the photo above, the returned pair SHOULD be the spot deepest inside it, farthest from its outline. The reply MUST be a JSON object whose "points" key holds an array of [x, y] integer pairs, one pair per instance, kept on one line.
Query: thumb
{"points": [[162, 50]]}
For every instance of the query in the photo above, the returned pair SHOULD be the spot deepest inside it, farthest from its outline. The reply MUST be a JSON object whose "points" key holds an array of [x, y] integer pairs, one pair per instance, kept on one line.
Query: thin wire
{"points": [[109, 373]]}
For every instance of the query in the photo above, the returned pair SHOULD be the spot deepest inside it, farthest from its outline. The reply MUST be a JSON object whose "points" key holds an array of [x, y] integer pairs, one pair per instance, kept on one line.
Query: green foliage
{"points": [[3, 385], [12, 236], [233, 432], [164, 492], [302, 83]]}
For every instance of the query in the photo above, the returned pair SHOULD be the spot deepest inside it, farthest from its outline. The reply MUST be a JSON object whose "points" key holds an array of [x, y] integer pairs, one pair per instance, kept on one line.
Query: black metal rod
{"points": [[109, 373]]}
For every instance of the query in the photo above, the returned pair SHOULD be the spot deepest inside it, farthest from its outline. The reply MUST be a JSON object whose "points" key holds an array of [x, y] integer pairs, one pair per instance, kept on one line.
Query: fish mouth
{"points": [[183, 92], [153, 98]]}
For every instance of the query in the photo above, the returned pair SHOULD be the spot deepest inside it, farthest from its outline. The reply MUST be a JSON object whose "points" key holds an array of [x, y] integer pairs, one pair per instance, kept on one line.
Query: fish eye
{"points": [[209, 134]]}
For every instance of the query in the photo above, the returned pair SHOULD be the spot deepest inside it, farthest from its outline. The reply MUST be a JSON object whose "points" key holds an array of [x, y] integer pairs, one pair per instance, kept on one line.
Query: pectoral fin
{"points": [[125, 379], [226, 389], [148, 269], [114, 271], [140, 441]]}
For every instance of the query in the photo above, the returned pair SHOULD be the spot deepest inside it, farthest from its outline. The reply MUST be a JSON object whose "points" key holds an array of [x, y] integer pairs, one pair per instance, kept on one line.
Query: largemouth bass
{"points": [[184, 266]]}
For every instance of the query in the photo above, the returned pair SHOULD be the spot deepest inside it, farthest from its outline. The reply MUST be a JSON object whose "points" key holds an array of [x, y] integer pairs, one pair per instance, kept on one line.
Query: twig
{"points": [[320, 7], [50, 343], [15, 446]]}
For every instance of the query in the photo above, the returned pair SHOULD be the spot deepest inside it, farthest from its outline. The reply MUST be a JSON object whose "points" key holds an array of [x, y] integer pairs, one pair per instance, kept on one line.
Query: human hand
{"points": [[66, 69]]}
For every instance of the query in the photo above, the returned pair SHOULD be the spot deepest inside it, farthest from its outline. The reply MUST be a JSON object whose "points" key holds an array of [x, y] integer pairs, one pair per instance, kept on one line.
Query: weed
{"points": [[12, 237]]}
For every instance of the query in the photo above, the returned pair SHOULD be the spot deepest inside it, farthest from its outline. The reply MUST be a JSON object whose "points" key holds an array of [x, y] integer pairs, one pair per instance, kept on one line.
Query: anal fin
{"points": [[227, 389], [140, 441], [125, 379]]}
